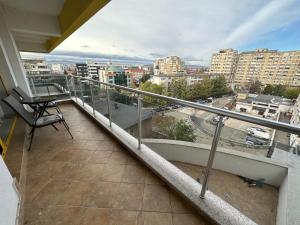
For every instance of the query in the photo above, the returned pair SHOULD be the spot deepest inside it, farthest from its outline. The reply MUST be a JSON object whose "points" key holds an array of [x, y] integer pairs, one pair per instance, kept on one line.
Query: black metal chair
{"points": [[34, 121], [22, 96]]}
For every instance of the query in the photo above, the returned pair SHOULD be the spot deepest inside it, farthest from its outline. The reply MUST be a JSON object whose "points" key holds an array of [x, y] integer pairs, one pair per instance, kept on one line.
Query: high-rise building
{"points": [[94, 68], [82, 69], [169, 65], [224, 63], [269, 67]]}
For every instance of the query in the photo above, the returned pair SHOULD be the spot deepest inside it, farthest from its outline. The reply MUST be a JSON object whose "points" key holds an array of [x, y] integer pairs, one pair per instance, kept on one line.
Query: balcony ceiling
{"points": [[41, 25]]}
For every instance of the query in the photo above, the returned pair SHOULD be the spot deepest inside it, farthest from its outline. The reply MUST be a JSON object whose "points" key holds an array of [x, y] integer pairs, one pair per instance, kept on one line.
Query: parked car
{"points": [[209, 99], [200, 101], [259, 134], [216, 119], [256, 129], [256, 141], [249, 143]]}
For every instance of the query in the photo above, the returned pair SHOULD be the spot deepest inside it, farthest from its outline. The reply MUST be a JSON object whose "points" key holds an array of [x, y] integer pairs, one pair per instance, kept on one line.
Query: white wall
{"points": [[8, 197], [239, 163]]}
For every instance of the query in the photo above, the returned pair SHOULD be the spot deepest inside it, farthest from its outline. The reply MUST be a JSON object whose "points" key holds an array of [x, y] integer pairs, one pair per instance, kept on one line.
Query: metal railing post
{"points": [[92, 97], [81, 91], [67, 84], [108, 105], [74, 87], [139, 121], [212, 155], [33, 85]]}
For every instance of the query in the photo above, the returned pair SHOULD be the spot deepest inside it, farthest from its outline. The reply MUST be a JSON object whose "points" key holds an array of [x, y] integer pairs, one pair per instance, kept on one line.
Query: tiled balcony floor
{"points": [[93, 180]]}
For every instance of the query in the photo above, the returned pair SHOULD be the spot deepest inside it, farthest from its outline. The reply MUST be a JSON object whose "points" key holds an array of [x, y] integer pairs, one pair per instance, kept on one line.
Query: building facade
{"points": [[36, 66], [269, 67], [169, 66], [295, 120], [224, 63], [82, 69], [114, 75], [94, 68]]}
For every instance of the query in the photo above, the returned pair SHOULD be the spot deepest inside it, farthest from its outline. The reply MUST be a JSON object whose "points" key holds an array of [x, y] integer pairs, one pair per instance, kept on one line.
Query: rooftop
{"points": [[268, 99]]}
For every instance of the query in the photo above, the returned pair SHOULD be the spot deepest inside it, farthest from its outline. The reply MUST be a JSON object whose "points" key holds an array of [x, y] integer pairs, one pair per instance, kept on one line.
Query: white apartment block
{"points": [[169, 66], [269, 67], [224, 63]]}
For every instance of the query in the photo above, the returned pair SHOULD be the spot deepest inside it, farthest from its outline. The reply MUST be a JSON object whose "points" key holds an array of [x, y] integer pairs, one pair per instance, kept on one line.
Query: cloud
{"points": [[153, 28]]}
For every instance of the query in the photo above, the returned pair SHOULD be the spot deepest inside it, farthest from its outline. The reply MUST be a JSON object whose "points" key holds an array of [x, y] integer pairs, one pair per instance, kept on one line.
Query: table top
{"points": [[37, 100]]}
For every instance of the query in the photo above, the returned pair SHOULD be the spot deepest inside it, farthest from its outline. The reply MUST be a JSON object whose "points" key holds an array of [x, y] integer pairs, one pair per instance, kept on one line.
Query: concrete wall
{"points": [[281, 217], [240, 163]]}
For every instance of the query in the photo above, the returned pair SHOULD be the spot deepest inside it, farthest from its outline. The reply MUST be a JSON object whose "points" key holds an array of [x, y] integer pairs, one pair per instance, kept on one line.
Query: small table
{"points": [[38, 103]]}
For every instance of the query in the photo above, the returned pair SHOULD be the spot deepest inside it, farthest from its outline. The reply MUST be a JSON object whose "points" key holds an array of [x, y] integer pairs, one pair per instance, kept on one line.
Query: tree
{"points": [[278, 90], [145, 78], [268, 90], [154, 88], [201, 89], [179, 89], [291, 93], [255, 87], [219, 86], [176, 130]]}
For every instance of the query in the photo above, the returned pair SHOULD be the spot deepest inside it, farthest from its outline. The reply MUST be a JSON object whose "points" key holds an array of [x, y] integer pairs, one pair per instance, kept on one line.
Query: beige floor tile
{"points": [[113, 172], [122, 217], [130, 197], [155, 218], [95, 216], [156, 198], [134, 174], [187, 219], [51, 193], [77, 194], [100, 157], [104, 195]]}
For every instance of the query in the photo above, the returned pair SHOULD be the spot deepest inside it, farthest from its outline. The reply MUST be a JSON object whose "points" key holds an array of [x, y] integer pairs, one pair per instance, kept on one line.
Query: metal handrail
{"points": [[222, 112]]}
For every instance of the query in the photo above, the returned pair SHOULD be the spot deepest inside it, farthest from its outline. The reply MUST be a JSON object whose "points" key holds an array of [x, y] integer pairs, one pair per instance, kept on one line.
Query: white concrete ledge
{"points": [[231, 161], [212, 207]]}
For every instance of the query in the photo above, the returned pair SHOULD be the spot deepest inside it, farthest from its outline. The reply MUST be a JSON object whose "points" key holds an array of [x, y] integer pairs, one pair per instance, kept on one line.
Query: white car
{"points": [[259, 134], [252, 129]]}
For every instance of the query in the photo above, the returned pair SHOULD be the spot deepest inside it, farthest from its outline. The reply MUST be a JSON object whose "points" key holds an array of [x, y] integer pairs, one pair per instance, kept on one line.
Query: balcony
{"points": [[120, 172], [93, 179]]}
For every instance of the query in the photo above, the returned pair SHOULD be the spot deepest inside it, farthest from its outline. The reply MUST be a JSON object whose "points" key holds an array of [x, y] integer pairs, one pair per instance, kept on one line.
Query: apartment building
{"points": [[94, 68], [224, 63], [82, 69], [36, 66], [269, 67], [170, 65], [114, 75]]}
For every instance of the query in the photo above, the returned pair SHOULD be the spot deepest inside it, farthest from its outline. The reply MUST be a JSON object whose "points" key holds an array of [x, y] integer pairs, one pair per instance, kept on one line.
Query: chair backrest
{"points": [[16, 106], [21, 93]]}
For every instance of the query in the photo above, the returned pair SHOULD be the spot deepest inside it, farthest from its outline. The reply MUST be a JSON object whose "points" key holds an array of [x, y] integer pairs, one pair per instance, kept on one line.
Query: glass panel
{"points": [[124, 109], [49, 85]]}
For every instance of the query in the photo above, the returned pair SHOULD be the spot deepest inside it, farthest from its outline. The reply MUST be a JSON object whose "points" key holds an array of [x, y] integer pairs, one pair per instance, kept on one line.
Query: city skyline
{"points": [[195, 31]]}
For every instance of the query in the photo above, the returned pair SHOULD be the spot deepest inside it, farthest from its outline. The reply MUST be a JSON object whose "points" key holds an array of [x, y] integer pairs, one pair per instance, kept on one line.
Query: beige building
{"points": [[169, 65], [269, 67], [224, 63]]}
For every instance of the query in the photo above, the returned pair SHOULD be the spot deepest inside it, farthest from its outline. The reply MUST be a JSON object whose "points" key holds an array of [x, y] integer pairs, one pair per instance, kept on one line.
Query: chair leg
{"points": [[54, 126], [67, 128], [31, 138]]}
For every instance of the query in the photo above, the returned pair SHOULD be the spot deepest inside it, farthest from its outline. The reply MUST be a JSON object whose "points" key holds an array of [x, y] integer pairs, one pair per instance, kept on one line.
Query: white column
{"points": [[16, 72]]}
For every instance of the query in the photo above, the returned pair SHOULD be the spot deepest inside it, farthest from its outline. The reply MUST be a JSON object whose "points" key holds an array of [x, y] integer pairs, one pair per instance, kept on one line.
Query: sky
{"points": [[191, 29]]}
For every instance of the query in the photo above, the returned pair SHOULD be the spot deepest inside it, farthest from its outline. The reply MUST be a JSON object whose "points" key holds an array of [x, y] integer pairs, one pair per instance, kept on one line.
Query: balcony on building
{"points": [[120, 169]]}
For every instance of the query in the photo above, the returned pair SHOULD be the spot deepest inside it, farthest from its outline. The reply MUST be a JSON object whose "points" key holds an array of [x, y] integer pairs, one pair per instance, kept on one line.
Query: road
{"points": [[229, 133]]}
